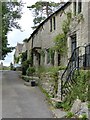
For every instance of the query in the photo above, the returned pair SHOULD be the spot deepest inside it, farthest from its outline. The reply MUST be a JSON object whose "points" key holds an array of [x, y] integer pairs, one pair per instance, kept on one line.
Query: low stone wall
{"points": [[48, 83]]}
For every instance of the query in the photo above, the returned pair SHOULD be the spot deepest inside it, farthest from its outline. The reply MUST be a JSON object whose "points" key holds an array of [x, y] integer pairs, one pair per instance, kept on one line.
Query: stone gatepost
{"points": [[59, 83], [56, 59]]}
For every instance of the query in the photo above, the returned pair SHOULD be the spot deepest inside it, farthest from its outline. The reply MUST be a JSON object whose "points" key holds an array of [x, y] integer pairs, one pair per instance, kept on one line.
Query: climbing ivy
{"points": [[60, 43], [61, 39]]}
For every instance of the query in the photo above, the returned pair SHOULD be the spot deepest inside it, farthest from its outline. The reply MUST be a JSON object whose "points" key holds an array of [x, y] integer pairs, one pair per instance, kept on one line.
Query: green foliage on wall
{"points": [[61, 39], [25, 66], [30, 71], [60, 43]]}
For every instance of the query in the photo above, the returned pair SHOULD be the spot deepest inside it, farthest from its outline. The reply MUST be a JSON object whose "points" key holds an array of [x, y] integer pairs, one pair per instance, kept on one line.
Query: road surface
{"points": [[20, 101], [0, 94]]}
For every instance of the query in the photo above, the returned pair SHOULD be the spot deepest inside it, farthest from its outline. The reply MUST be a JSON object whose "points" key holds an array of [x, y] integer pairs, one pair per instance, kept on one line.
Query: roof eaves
{"points": [[62, 7]]}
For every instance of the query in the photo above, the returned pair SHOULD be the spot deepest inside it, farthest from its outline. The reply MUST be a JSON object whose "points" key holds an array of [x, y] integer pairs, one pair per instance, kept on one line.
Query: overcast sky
{"points": [[26, 22]]}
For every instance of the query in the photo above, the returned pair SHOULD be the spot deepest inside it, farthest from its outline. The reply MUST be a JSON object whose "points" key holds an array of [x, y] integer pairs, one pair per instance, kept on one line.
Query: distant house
{"points": [[18, 51], [42, 39], [25, 46]]}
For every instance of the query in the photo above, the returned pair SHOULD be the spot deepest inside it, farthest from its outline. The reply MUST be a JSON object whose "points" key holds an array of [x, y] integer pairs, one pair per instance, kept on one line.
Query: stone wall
{"points": [[80, 29], [29, 47], [48, 83]]}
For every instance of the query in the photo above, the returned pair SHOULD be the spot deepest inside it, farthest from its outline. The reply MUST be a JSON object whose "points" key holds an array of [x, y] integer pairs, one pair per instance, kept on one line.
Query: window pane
{"points": [[54, 23], [51, 25], [79, 6], [74, 8]]}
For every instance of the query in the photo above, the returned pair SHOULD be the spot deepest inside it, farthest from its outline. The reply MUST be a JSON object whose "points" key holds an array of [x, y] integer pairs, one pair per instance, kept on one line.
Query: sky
{"points": [[26, 22]]}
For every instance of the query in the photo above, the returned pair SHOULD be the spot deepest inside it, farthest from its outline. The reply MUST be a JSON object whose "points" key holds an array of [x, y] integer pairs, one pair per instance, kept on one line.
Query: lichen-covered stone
{"points": [[76, 106]]}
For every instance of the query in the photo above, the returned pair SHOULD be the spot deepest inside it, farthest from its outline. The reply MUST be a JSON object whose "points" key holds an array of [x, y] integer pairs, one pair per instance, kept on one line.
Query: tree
{"points": [[11, 11], [42, 10]]}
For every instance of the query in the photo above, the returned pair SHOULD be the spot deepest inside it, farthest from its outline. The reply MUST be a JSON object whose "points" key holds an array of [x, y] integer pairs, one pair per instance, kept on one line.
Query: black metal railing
{"points": [[87, 56], [80, 58]]}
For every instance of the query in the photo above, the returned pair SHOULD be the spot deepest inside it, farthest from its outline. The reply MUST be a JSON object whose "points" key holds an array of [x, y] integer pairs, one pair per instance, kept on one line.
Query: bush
{"points": [[79, 89], [66, 105], [25, 65], [81, 86], [40, 70], [30, 71]]}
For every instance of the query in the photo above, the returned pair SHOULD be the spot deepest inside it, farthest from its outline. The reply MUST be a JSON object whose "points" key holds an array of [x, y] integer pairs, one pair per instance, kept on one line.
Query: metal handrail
{"points": [[69, 67], [70, 59], [62, 85]]}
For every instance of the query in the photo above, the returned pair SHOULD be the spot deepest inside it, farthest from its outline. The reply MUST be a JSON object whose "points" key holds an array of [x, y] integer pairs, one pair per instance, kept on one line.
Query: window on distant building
{"points": [[51, 25], [54, 23], [79, 6]]}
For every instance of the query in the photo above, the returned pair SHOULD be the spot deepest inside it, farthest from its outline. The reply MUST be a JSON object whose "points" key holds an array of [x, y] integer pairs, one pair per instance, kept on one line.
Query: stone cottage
{"points": [[25, 46], [18, 51], [40, 45], [42, 39]]}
